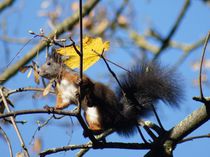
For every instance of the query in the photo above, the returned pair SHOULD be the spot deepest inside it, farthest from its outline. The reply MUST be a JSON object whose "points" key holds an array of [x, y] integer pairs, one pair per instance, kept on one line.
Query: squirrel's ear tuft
{"points": [[54, 56]]}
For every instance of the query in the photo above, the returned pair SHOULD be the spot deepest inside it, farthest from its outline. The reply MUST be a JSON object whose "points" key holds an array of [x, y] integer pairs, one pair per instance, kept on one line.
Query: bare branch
{"points": [[67, 24], [39, 128], [5, 4], [165, 144], [81, 59], [112, 24], [140, 41], [99, 137], [38, 111], [174, 28], [25, 89], [7, 140], [15, 40], [194, 137], [14, 124], [110, 145], [85, 147], [188, 49], [201, 65]]}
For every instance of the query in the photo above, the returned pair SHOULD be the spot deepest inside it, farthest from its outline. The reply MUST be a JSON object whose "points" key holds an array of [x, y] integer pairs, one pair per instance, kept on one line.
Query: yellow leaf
{"points": [[92, 48]]}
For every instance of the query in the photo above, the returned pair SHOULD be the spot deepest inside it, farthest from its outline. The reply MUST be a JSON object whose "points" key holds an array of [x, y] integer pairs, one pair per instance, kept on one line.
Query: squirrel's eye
{"points": [[48, 63]]}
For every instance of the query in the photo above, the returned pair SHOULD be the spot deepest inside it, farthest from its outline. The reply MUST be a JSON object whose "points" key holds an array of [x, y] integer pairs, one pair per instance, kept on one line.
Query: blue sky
{"points": [[159, 14]]}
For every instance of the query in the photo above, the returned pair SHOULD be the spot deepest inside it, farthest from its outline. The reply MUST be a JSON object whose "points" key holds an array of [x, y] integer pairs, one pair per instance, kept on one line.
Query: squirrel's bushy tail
{"points": [[145, 85]]}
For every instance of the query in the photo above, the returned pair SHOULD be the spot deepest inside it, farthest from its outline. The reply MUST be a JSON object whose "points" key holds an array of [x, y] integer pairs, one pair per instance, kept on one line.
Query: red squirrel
{"points": [[144, 85]]}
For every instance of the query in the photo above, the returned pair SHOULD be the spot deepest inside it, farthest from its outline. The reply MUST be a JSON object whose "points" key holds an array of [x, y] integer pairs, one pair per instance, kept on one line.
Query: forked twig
{"points": [[14, 124], [201, 66], [194, 137], [39, 127], [110, 70], [21, 49], [157, 117], [174, 28], [7, 140]]}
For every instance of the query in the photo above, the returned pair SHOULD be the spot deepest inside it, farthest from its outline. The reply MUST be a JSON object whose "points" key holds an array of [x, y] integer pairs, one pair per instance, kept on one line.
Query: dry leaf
{"points": [[37, 145], [92, 48], [29, 73], [20, 154], [23, 69], [36, 77], [48, 88]]}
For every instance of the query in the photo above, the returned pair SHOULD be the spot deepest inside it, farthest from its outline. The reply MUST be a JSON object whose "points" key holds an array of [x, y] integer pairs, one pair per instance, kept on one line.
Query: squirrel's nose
{"points": [[38, 71]]}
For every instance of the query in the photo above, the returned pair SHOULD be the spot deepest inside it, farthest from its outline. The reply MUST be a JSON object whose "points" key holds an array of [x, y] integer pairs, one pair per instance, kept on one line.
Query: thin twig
{"points": [[80, 53], [99, 137], [81, 58], [157, 117], [179, 131], [151, 125], [14, 124], [150, 133], [201, 66], [111, 145], [7, 140], [25, 89], [194, 137], [38, 111], [39, 127], [141, 134], [117, 65], [174, 28], [110, 70], [112, 24], [21, 50], [89, 145], [17, 121], [74, 46], [20, 41], [67, 24]]}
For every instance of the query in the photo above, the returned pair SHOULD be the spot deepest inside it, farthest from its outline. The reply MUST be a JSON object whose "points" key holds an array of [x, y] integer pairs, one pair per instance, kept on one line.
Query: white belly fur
{"points": [[92, 113], [68, 91]]}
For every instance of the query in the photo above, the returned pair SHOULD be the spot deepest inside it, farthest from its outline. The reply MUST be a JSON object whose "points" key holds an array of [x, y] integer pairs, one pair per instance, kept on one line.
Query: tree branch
{"points": [[5, 4], [99, 137], [14, 124], [165, 144], [194, 137], [201, 66], [67, 24], [174, 28], [110, 145], [38, 111], [7, 140]]}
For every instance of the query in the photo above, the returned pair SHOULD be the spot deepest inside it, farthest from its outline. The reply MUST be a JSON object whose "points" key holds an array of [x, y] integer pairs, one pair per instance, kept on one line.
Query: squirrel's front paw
{"points": [[48, 108], [61, 106]]}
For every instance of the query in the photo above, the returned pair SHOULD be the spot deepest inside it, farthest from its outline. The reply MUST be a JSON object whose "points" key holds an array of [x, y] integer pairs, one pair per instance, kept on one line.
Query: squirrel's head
{"points": [[52, 67]]}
